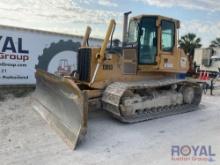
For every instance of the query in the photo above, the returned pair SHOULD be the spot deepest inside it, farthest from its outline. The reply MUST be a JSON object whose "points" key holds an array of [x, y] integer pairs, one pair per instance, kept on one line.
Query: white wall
{"points": [[17, 65]]}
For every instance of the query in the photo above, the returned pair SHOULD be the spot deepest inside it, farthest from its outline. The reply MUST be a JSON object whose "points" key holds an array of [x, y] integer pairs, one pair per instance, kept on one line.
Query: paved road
{"points": [[26, 139]]}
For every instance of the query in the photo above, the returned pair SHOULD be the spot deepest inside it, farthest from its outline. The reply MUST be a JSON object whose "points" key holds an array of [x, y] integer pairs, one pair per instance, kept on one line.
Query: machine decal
{"points": [[107, 67], [167, 64], [183, 62]]}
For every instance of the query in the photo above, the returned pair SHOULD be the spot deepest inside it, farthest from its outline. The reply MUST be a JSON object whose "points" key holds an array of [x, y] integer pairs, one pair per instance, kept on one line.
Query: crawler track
{"points": [[117, 92]]}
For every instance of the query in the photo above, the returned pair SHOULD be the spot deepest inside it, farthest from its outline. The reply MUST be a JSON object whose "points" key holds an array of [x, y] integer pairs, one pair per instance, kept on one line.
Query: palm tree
{"points": [[215, 43], [189, 42]]}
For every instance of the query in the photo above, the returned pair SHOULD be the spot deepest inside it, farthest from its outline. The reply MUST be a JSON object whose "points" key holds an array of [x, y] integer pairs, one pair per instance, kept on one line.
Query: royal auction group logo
{"points": [[12, 49], [196, 153]]}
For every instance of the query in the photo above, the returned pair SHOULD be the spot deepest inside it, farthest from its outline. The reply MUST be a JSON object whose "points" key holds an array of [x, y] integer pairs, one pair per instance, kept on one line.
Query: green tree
{"points": [[189, 42], [215, 43]]}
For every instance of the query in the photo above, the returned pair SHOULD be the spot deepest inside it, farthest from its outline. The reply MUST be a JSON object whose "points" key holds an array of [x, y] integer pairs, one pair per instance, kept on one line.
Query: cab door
{"points": [[147, 41]]}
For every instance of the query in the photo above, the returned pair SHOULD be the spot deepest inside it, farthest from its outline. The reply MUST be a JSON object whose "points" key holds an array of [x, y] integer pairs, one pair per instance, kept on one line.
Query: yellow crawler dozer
{"points": [[134, 82]]}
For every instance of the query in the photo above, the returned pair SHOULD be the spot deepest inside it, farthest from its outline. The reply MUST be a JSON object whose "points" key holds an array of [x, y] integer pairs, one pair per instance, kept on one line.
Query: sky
{"points": [[201, 17]]}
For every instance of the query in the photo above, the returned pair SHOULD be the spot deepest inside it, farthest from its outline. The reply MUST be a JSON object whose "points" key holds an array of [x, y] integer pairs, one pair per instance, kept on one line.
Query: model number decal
{"points": [[107, 67]]}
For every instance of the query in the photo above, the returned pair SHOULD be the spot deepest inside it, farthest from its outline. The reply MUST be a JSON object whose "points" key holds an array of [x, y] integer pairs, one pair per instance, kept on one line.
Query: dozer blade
{"points": [[61, 103]]}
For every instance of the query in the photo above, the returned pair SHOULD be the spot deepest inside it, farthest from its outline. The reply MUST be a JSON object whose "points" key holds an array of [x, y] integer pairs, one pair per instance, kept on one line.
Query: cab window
{"points": [[168, 35], [132, 32], [148, 41]]}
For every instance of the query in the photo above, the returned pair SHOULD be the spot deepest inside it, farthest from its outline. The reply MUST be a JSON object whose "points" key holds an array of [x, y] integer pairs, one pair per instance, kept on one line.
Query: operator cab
{"points": [[151, 36]]}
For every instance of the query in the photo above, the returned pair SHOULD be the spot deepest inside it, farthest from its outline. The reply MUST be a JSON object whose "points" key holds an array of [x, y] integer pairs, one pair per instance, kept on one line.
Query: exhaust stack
{"points": [[125, 27]]}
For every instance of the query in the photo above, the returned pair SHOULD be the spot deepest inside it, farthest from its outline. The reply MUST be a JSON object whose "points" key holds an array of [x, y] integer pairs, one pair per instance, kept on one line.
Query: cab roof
{"points": [[157, 16]]}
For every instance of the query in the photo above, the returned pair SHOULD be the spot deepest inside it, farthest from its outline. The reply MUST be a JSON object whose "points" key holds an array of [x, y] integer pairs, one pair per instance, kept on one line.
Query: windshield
{"points": [[132, 31]]}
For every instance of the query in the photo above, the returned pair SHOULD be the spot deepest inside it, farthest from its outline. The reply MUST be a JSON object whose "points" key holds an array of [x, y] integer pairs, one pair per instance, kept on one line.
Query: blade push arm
{"points": [[101, 55]]}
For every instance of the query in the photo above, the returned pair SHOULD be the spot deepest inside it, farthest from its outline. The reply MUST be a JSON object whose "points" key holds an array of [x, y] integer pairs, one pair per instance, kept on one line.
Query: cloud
{"points": [[72, 16], [107, 3], [207, 30], [62, 15], [208, 5]]}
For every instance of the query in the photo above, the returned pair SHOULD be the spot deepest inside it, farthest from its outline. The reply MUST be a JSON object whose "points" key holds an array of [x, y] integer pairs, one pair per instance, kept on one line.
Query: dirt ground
{"points": [[26, 139]]}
